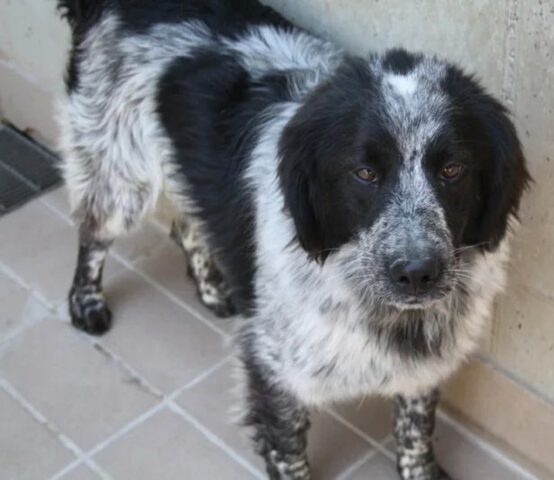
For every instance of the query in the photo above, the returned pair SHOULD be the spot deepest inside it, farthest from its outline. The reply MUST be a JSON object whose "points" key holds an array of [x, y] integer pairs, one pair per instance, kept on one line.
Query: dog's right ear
{"points": [[298, 177]]}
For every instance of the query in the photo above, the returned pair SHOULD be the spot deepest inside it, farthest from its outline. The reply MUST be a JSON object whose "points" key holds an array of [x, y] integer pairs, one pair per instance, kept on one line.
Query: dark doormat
{"points": [[26, 169]]}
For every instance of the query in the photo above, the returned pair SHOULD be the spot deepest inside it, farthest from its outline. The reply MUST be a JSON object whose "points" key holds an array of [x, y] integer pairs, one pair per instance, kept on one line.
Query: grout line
{"points": [[152, 282], [374, 443], [36, 189], [489, 449], [8, 272], [126, 429], [171, 296], [142, 417], [195, 381], [214, 439], [68, 468], [56, 211], [386, 440], [49, 307], [357, 464], [161, 226], [63, 439]]}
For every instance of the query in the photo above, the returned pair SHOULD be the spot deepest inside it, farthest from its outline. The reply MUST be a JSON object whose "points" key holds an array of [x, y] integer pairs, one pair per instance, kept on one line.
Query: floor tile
{"points": [[331, 447], [372, 415], [157, 337], [42, 249], [143, 243], [462, 459], [378, 467], [82, 472], [58, 198], [214, 402], [71, 383], [28, 450], [19, 307], [168, 267], [167, 447]]}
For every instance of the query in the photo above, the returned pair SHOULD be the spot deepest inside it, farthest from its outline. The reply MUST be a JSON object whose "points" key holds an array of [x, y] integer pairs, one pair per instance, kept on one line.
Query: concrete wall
{"points": [[509, 44], [33, 44]]}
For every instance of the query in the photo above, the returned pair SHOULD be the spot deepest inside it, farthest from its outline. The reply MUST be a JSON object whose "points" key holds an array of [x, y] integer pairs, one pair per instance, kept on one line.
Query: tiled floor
{"points": [[151, 399]]}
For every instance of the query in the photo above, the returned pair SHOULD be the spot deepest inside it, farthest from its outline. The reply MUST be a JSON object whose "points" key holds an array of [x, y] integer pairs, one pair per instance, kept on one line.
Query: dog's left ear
{"points": [[298, 177], [505, 174], [507, 171]]}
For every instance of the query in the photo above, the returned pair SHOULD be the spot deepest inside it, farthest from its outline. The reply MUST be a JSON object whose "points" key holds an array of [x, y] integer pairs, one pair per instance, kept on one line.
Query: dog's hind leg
{"points": [[87, 305], [202, 267], [104, 212]]}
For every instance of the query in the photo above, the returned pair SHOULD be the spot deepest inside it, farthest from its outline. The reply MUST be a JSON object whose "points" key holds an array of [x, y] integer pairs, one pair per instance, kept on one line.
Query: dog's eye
{"points": [[452, 171], [366, 175]]}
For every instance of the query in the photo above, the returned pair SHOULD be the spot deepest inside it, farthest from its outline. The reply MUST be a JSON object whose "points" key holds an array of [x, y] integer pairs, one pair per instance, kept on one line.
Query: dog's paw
{"points": [[89, 312], [220, 304], [426, 472]]}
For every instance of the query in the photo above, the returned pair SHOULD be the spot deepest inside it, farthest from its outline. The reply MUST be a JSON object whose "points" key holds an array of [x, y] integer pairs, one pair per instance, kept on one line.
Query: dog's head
{"points": [[406, 162]]}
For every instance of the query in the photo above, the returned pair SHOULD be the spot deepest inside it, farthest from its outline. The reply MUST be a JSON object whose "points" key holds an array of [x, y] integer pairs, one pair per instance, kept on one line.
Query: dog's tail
{"points": [[80, 13]]}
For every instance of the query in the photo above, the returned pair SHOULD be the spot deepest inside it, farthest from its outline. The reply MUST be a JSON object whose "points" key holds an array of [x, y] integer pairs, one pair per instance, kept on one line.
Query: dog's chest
{"points": [[317, 339]]}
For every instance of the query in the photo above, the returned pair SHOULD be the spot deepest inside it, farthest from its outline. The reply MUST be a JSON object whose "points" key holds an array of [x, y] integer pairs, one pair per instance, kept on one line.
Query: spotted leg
{"points": [[280, 425], [414, 423], [87, 305], [211, 287]]}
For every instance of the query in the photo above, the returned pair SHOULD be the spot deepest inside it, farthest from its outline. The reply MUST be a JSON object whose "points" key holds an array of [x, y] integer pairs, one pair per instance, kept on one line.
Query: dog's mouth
{"points": [[422, 301], [416, 303]]}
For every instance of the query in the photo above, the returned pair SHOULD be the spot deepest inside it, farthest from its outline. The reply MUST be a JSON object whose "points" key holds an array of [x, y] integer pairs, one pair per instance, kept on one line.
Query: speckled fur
{"points": [[319, 327], [414, 423], [202, 266], [87, 306]]}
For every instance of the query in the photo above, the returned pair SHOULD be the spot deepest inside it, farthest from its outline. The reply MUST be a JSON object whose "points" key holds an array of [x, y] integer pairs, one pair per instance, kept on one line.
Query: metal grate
{"points": [[26, 169]]}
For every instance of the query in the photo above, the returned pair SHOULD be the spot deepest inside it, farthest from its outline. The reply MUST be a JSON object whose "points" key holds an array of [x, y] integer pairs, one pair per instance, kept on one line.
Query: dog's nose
{"points": [[415, 276]]}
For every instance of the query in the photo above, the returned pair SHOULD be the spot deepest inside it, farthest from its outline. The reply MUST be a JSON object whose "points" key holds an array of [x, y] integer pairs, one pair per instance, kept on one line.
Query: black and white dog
{"points": [[354, 210]]}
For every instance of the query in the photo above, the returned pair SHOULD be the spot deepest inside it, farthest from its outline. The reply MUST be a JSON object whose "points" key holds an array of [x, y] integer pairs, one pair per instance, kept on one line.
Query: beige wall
{"points": [[33, 43], [509, 44]]}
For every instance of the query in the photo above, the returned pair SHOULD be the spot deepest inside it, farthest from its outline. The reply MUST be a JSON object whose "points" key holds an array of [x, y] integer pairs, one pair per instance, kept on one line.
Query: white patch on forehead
{"points": [[404, 85]]}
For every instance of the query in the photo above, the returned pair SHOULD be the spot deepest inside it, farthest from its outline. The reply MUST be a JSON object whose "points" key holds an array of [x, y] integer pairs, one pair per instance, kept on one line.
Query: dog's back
{"points": [[164, 95]]}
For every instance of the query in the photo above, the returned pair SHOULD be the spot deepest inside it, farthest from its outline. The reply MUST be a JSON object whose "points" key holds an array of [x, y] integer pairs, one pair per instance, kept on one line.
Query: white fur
{"points": [[404, 85], [116, 157]]}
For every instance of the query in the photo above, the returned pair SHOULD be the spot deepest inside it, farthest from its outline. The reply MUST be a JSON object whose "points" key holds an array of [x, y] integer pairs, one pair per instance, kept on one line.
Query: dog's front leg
{"points": [[414, 423], [280, 426]]}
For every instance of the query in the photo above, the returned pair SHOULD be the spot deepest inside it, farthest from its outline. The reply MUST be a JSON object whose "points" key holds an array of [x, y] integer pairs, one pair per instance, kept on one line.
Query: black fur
{"points": [[400, 61], [213, 144], [81, 16], [490, 140], [334, 131]]}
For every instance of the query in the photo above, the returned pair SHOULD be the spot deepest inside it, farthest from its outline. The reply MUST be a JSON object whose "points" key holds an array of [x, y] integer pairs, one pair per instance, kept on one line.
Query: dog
{"points": [[355, 211]]}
